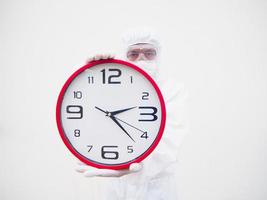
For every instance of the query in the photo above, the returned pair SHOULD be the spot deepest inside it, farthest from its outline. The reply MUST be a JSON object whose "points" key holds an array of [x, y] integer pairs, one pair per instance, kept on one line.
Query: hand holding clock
{"points": [[89, 171]]}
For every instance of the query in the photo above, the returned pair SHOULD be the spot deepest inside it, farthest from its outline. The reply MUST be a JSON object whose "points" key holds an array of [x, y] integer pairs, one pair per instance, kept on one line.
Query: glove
{"points": [[100, 57], [89, 171]]}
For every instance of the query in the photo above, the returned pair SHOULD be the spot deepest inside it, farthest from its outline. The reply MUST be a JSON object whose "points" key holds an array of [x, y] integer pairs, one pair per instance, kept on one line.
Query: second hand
{"points": [[130, 125]]}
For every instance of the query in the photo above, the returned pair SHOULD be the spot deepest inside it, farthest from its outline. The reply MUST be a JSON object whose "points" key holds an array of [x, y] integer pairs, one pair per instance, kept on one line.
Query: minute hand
{"points": [[113, 118]]}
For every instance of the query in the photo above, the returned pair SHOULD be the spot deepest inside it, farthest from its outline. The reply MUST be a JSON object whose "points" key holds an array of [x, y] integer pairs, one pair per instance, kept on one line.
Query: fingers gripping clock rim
{"points": [[66, 140]]}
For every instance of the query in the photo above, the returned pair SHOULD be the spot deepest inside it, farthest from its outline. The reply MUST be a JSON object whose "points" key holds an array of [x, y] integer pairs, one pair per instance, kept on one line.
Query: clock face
{"points": [[110, 114]]}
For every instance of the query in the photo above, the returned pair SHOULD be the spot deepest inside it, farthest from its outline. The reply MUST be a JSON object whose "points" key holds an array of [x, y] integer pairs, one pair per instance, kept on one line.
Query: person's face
{"points": [[142, 51]]}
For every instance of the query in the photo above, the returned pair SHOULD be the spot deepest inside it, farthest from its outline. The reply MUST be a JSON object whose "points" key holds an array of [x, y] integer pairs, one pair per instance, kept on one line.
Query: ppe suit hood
{"points": [[143, 36]]}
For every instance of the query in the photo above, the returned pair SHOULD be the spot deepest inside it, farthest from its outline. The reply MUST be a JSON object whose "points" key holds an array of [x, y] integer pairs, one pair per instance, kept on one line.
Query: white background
{"points": [[217, 48]]}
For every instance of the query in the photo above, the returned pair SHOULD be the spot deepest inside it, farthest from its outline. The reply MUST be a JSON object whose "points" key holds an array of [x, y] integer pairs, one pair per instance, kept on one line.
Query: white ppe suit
{"points": [[156, 179]]}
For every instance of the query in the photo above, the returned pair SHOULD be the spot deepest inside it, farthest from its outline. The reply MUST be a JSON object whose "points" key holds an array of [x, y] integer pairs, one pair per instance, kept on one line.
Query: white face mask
{"points": [[151, 67]]}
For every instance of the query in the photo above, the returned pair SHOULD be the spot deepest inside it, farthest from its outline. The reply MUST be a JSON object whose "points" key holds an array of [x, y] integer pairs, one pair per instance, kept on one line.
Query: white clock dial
{"points": [[111, 114]]}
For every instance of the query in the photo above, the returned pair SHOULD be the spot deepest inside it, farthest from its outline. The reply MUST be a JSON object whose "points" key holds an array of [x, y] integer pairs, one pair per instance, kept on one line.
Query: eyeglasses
{"points": [[134, 54]]}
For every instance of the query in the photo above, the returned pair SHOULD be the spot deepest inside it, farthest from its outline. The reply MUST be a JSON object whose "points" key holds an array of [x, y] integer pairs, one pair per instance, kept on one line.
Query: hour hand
{"points": [[120, 111]]}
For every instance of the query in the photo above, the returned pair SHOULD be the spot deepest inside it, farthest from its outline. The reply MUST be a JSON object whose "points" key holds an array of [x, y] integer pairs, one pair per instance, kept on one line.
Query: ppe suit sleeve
{"points": [[176, 123]]}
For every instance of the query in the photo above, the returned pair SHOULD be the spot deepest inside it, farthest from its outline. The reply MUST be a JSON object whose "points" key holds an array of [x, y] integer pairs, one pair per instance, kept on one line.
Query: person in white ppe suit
{"points": [[153, 178]]}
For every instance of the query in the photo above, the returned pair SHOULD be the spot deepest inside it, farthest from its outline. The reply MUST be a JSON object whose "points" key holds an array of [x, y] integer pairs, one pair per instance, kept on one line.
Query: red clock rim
{"points": [[64, 137]]}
